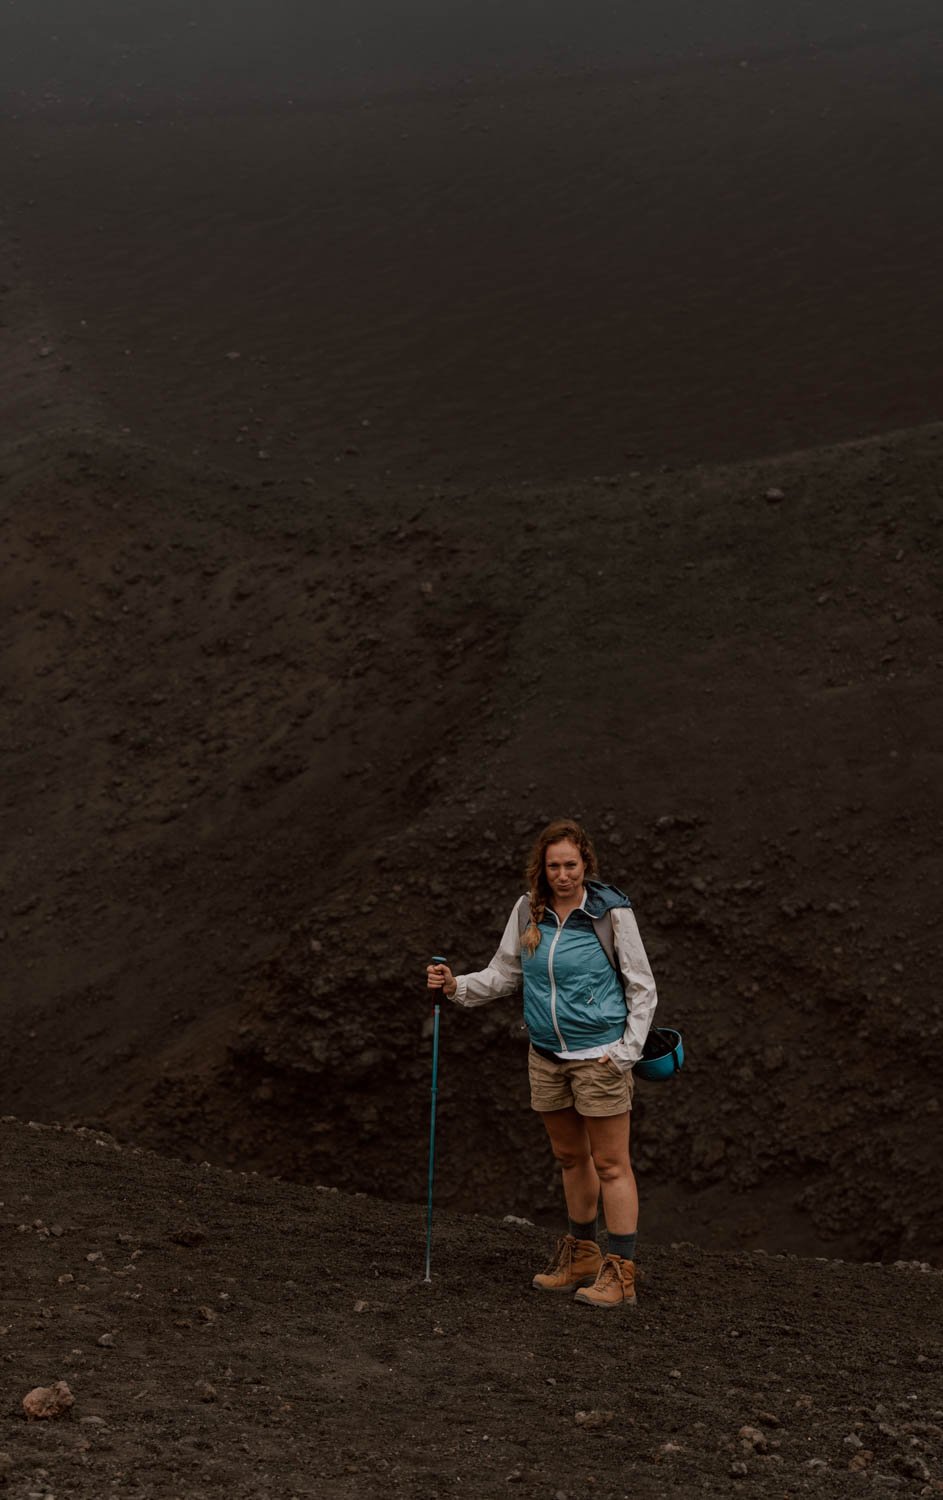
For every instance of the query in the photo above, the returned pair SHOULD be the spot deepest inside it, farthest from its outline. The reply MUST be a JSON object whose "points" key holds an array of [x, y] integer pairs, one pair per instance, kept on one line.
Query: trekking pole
{"points": [[435, 1079]]}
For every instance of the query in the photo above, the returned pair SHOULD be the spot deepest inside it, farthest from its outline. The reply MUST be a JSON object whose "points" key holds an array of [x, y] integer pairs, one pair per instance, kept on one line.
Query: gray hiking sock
{"points": [[622, 1244], [588, 1231]]}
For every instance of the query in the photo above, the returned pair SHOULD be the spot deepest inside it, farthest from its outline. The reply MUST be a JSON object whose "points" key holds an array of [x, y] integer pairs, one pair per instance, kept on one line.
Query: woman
{"points": [[587, 1022]]}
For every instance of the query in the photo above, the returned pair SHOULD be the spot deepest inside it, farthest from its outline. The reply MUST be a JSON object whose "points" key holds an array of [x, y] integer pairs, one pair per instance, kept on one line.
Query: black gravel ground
{"points": [[229, 1334]]}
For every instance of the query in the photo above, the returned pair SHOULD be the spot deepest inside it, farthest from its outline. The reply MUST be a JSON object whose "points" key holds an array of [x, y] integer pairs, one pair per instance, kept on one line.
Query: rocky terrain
{"points": [[266, 752], [224, 1334], [405, 437], [413, 428]]}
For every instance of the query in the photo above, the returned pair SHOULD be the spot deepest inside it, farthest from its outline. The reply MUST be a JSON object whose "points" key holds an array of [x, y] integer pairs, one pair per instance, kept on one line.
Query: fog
{"points": [[239, 49]]}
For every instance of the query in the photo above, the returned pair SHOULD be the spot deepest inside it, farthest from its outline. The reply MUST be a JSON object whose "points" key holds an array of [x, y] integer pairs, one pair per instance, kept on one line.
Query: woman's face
{"points": [[564, 868]]}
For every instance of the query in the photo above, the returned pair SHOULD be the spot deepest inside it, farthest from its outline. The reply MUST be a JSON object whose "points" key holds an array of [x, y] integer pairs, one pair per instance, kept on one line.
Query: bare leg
{"points": [[609, 1144], [571, 1147]]}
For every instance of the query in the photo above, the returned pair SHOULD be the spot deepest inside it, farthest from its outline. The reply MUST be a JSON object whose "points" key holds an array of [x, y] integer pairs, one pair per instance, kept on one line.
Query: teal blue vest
{"points": [[573, 997]]}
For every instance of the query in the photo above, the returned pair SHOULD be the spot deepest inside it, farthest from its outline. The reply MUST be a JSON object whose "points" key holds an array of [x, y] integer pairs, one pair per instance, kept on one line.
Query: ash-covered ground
{"points": [[227, 1334], [389, 461]]}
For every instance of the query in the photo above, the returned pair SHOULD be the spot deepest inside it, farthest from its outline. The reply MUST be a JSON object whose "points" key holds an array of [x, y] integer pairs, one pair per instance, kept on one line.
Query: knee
{"points": [[612, 1168], [571, 1160]]}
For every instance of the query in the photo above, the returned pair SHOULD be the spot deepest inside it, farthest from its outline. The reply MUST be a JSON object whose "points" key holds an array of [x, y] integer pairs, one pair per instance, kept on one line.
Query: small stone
{"points": [[860, 1460], [208, 1315], [769, 1419], [207, 1392], [674, 1374], [752, 1437], [593, 1420], [773, 495], [47, 1401], [189, 1235], [94, 1258], [913, 1467], [107, 1341], [738, 1469], [852, 1441], [360, 1305]]}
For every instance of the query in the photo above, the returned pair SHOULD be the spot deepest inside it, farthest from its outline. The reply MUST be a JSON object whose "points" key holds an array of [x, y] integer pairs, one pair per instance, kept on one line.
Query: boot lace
{"points": [[610, 1270], [562, 1255]]}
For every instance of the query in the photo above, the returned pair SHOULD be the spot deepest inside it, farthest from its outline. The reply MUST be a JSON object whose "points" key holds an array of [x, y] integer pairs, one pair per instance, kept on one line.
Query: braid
{"points": [[531, 935]]}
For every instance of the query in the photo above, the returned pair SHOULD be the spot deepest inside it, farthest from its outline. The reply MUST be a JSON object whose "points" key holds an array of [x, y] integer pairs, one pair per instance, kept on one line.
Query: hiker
{"points": [[587, 1016]]}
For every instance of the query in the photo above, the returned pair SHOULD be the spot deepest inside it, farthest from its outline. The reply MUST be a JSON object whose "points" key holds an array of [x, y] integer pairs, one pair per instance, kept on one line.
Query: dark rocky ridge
{"points": [[237, 711]]}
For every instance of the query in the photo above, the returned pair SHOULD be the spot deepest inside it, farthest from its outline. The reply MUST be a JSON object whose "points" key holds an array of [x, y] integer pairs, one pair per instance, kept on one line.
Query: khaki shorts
{"points": [[587, 1084]]}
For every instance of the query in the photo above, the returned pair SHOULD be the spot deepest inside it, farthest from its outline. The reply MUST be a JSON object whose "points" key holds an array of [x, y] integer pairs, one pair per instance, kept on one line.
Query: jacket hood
{"points": [[601, 898]]}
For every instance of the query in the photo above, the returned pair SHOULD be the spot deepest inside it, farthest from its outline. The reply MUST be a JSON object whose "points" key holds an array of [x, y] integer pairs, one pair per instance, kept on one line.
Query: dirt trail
{"points": [[223, 1333]]}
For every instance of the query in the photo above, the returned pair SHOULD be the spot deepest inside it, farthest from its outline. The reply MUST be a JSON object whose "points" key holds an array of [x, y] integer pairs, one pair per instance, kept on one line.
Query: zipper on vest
{"points": [[553, 983]]}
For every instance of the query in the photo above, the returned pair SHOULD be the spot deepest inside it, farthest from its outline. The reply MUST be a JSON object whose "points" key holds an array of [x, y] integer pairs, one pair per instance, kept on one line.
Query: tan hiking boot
{"points": [[575, 1263], [613, 1287]]}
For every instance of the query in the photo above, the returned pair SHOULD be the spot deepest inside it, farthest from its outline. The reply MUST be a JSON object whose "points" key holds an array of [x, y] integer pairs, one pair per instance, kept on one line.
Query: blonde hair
{"points": [[536, 872]]}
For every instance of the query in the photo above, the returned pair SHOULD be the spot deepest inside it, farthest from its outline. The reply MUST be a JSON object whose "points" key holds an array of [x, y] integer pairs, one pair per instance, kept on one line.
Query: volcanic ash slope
{"points": [[269, 746]]}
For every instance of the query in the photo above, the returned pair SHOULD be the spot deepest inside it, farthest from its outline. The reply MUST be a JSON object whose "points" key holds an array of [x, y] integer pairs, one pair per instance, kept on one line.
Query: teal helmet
{"points": [[662, 1056]]}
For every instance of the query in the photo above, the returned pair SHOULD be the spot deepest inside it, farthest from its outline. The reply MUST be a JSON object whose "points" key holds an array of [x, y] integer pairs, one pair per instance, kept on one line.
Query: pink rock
{"points": [[48, 1401]]}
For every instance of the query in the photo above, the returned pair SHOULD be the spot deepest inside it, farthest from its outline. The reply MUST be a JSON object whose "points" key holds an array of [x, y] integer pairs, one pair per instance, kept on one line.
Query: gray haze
{"points": [[247, 49]]}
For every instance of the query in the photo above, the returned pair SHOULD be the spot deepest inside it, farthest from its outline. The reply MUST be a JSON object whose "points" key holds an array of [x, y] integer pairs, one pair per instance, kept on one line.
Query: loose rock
{"points": [[48, 1401], [189, 1234], [593, 1420], [753, 1438]]}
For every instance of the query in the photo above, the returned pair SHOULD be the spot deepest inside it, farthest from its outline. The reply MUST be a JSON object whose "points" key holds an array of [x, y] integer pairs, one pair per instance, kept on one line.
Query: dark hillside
{"points": [[387, 396], [268, 749]]}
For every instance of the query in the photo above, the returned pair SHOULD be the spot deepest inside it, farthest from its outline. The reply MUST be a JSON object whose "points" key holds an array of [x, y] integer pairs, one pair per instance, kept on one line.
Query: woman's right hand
{"points": [[440, 977]]}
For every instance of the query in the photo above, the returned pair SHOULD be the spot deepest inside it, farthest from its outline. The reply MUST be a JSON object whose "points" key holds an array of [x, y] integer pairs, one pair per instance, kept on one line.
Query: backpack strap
{"points": [[607, 938], [602, 926], [523, 916]]}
